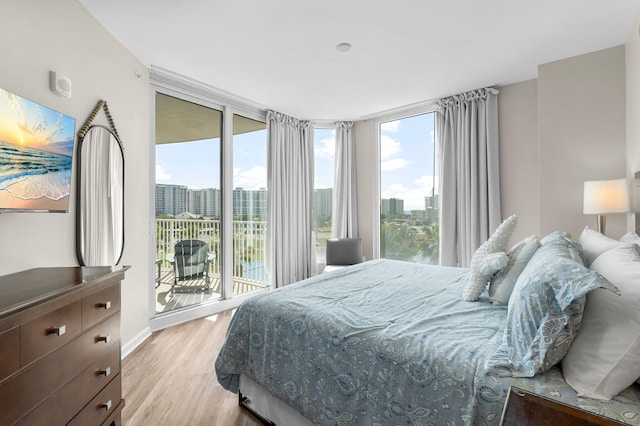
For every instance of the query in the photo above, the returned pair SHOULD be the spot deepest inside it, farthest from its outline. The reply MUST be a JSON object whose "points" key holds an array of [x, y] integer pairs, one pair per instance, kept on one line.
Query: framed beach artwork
{"points": [[36, 156]]}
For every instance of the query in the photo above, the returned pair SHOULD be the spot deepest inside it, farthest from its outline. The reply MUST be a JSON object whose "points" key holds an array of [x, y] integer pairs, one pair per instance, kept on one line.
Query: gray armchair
{"points": [[343, 252]]}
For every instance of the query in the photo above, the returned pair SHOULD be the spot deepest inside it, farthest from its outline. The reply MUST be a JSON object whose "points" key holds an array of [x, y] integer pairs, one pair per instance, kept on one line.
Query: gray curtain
{"points": [[345, 212], [469, 187], [290, 246]]}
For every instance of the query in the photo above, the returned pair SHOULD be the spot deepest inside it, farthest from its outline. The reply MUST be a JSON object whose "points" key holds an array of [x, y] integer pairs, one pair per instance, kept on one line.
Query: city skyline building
{"points": [[323, 202], [171, 199], [178, 199], [392, 206]]}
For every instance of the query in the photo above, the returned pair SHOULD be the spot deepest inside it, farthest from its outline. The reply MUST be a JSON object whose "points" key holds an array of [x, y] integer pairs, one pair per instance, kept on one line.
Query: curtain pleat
{"points": [[291, 250], [345, 211], [469, 187]]}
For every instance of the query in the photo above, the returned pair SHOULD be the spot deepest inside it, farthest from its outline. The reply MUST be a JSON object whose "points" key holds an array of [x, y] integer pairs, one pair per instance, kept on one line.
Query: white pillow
{"points": [[631, 237], [604, 358], [594, 244], [502, 284], [488, 259]]}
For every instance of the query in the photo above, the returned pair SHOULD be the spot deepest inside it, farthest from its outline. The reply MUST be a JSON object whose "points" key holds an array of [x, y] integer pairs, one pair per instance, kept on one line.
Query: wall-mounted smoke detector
{"points": [[60, 84]]}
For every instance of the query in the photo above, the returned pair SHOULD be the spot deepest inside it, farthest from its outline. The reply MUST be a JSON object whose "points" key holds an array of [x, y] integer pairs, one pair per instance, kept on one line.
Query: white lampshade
{"points": [[606, 196]]}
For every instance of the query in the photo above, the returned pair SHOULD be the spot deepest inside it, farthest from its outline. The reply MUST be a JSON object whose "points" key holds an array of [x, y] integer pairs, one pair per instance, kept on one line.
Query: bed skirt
{"points": [[268, 408]]}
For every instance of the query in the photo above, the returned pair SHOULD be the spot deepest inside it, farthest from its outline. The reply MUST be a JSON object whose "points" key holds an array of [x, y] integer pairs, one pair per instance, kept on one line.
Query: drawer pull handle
{"points": [[104, 372], [106, 405], [58, 331], [105, 339], [105, 305]]}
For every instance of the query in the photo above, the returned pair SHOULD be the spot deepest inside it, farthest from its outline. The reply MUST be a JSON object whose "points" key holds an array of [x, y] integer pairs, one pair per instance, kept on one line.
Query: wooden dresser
{"points": [[60, 346]]}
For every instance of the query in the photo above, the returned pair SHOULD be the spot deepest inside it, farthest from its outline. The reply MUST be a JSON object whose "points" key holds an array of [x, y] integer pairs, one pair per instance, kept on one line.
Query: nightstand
{"points": [[524, 408]]}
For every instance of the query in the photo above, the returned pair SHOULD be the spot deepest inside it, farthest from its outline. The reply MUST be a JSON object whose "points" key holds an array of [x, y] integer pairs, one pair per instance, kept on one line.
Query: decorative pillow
{"points": [[545, 309], [594, 244], [503, 282], [604, 358], [631, 237], [488, 259]]}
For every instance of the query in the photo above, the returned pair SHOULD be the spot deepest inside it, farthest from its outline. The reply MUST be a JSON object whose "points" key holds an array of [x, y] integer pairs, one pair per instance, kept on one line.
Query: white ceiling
{"points": [[281, 53]]}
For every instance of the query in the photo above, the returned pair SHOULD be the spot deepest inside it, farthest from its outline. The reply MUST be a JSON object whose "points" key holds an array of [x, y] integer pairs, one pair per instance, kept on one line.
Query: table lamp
{"points": [[603, 197]]}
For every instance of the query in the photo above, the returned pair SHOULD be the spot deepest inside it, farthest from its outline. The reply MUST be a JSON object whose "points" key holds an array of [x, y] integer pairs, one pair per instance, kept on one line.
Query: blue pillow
{"points": [[545, 309]]}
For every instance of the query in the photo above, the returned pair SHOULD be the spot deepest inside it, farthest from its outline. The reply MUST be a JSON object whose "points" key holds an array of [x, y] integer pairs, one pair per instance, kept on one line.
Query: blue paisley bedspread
{"points": [[382, 342]]}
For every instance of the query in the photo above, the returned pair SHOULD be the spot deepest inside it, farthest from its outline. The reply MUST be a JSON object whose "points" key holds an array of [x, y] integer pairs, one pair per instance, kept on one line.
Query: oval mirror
{"points": [[100, 198]]}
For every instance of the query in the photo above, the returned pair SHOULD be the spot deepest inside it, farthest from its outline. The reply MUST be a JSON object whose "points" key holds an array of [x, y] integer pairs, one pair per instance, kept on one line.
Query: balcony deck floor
{"points": [[167, 301]]}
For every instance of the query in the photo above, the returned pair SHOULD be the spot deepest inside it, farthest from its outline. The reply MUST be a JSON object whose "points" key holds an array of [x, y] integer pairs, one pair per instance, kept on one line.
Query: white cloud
{"points": [[162, 173], [413, 196], [326, 148], [427, 182], [388, 147], [393, 164], [254, 178], [390, 126]]}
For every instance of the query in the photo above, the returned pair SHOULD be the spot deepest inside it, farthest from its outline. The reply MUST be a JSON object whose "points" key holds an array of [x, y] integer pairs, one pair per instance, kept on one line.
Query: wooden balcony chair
{"points": [[191, 267]]}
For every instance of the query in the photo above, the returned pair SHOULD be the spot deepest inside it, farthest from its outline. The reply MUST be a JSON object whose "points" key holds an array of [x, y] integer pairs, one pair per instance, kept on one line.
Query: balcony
{"points": [[249, 270]]}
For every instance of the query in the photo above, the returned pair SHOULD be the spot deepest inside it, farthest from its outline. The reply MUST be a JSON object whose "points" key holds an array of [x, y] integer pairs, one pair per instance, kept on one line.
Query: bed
{"points": [[382, 342]]}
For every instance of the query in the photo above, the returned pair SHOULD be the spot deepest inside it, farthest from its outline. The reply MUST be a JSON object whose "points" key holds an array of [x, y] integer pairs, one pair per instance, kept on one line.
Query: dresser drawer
{"points": [[100, 305], [39, 380], [49, 332], [115, 419], [62, 406], [102, 406], [9, 352]]}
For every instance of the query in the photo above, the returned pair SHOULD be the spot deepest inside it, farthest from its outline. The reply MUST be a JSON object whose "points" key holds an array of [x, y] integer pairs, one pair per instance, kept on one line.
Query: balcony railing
{"points": [[249, 244]]}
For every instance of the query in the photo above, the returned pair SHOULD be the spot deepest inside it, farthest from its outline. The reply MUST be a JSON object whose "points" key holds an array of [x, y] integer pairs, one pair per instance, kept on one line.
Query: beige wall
{"points": [[43, 35], [519, 156], [364, 135], [581, 112], [632, 56]]}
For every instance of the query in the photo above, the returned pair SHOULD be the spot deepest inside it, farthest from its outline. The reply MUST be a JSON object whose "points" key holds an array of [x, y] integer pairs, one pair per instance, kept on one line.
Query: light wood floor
{"points": [[170, 379]]}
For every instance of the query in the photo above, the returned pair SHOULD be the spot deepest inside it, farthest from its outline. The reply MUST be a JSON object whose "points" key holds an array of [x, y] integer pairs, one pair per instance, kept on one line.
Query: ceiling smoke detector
{"points": [[343, 47]]}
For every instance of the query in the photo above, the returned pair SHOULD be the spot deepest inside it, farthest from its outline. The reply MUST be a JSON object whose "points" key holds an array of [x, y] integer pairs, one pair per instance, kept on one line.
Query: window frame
{"points": [[377, 123], [330, 127]]}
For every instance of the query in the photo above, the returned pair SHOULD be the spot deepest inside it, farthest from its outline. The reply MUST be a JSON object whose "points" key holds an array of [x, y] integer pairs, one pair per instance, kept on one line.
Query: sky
{"points": [[406, 160], [407, 152], [197, 164], [324, 157]]}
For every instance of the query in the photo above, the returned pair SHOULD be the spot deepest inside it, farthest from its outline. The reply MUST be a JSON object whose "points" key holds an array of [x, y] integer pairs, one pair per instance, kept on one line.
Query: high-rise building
{"points": [[171, 199], [204, 202], [392, 206], [431, 207], [323, 202], [177, 199], [250, 203]]}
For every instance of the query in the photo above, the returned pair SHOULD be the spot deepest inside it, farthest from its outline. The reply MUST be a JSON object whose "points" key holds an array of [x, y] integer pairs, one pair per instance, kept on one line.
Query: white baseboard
{"points": [[137, 340]]}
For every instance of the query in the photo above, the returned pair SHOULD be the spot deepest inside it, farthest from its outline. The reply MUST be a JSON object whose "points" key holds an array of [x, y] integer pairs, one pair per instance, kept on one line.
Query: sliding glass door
{"points": [[187, 203], [209, 246]]}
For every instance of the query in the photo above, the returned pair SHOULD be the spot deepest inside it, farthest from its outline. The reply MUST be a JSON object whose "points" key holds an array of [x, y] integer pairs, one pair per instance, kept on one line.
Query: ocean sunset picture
{"points": [[36, 153]]}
